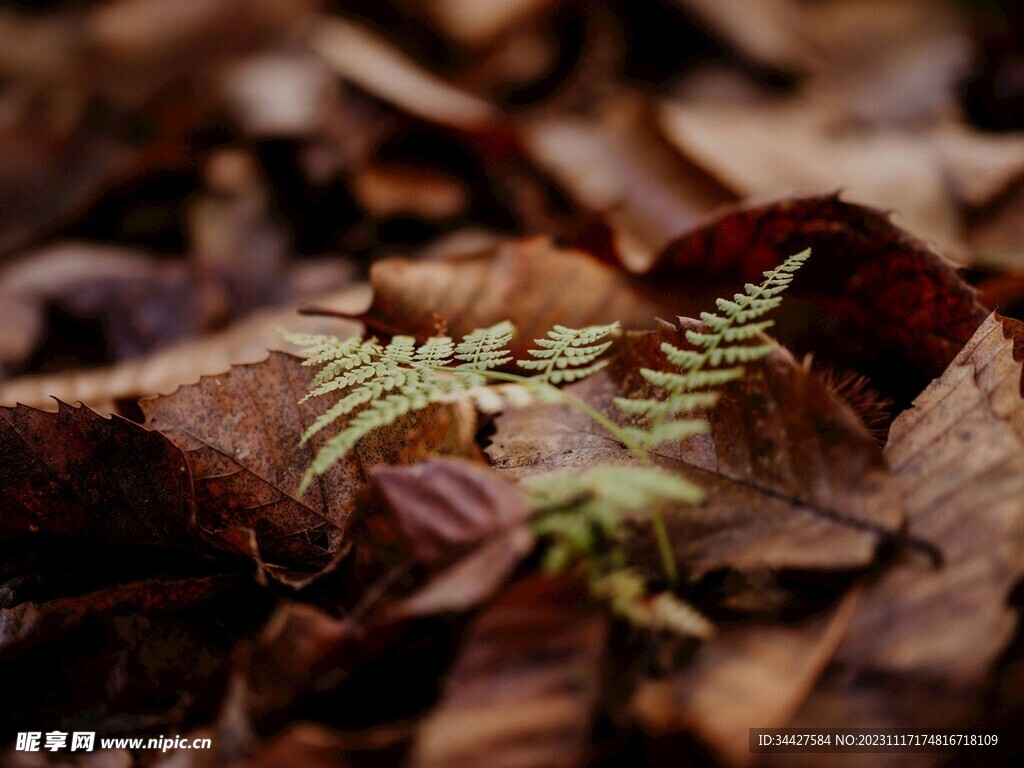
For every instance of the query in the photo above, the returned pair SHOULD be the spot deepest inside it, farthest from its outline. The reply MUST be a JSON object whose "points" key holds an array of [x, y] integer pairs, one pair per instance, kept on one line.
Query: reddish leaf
{"points": [[75, 473], [461, 520], [871, 296], [442, 508]]}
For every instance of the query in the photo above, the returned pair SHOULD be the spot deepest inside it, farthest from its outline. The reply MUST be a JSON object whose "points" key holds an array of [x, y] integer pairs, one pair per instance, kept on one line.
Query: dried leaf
{"points": [[372, 63], [770, 33], [792, 479], [476, 23], [623, 169], [167, 369], [125, 658], [462, 520], [753, 676], [525, 684], [134, 301], [296, 650], [444, 507], [75, 473], [29, 624], [795, 146], [430, 195], [525, 281], [241, 432], [924, 639]]}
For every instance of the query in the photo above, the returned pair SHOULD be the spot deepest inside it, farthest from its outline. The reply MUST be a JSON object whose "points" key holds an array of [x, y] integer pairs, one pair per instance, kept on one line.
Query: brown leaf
{"points": [[528, 281], [296, 650], [923, 639], [792, 478], [136, 302], [525, 684], [75, 473], [871, 297], [430, 195], [887, 63], [753, 676], [796, 146], [476, 23], [770, 33], [30, 623], [241, 432], [165, 370], [620, 167], [126, 658]]}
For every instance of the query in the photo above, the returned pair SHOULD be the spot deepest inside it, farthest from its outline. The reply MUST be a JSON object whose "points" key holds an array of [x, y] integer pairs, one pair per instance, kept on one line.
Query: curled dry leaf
{"points": [[443, 508], [525, 685], [76, 473], [461, 519], [792, 479], [528, 281], [872, 297], [241, 432], [923, 640]]}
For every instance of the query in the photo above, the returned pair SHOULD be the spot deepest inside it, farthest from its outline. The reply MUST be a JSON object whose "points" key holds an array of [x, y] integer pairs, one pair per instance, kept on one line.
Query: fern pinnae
{"points": [[485, 348], [719, 351], [568, 354]]}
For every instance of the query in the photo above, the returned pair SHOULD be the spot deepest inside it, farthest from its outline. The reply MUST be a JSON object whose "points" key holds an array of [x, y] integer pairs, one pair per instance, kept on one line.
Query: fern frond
{"points": [[568, 354], [717, 357], [376, 385], [485, 348], [586, 514], [603, 494]]}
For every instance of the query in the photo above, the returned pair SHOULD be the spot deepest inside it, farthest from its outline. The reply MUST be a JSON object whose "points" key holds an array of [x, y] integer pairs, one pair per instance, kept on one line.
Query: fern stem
{"points": [[661, 535]]}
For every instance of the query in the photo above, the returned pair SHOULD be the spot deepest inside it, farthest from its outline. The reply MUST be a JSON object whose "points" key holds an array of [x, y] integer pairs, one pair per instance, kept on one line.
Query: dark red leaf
{"points": [[75, 473]]}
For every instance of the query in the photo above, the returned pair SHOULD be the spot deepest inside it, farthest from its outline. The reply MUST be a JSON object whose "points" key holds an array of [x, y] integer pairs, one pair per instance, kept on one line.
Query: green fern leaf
{"points": [[485, 348], [717, 357], [568, 354]]}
